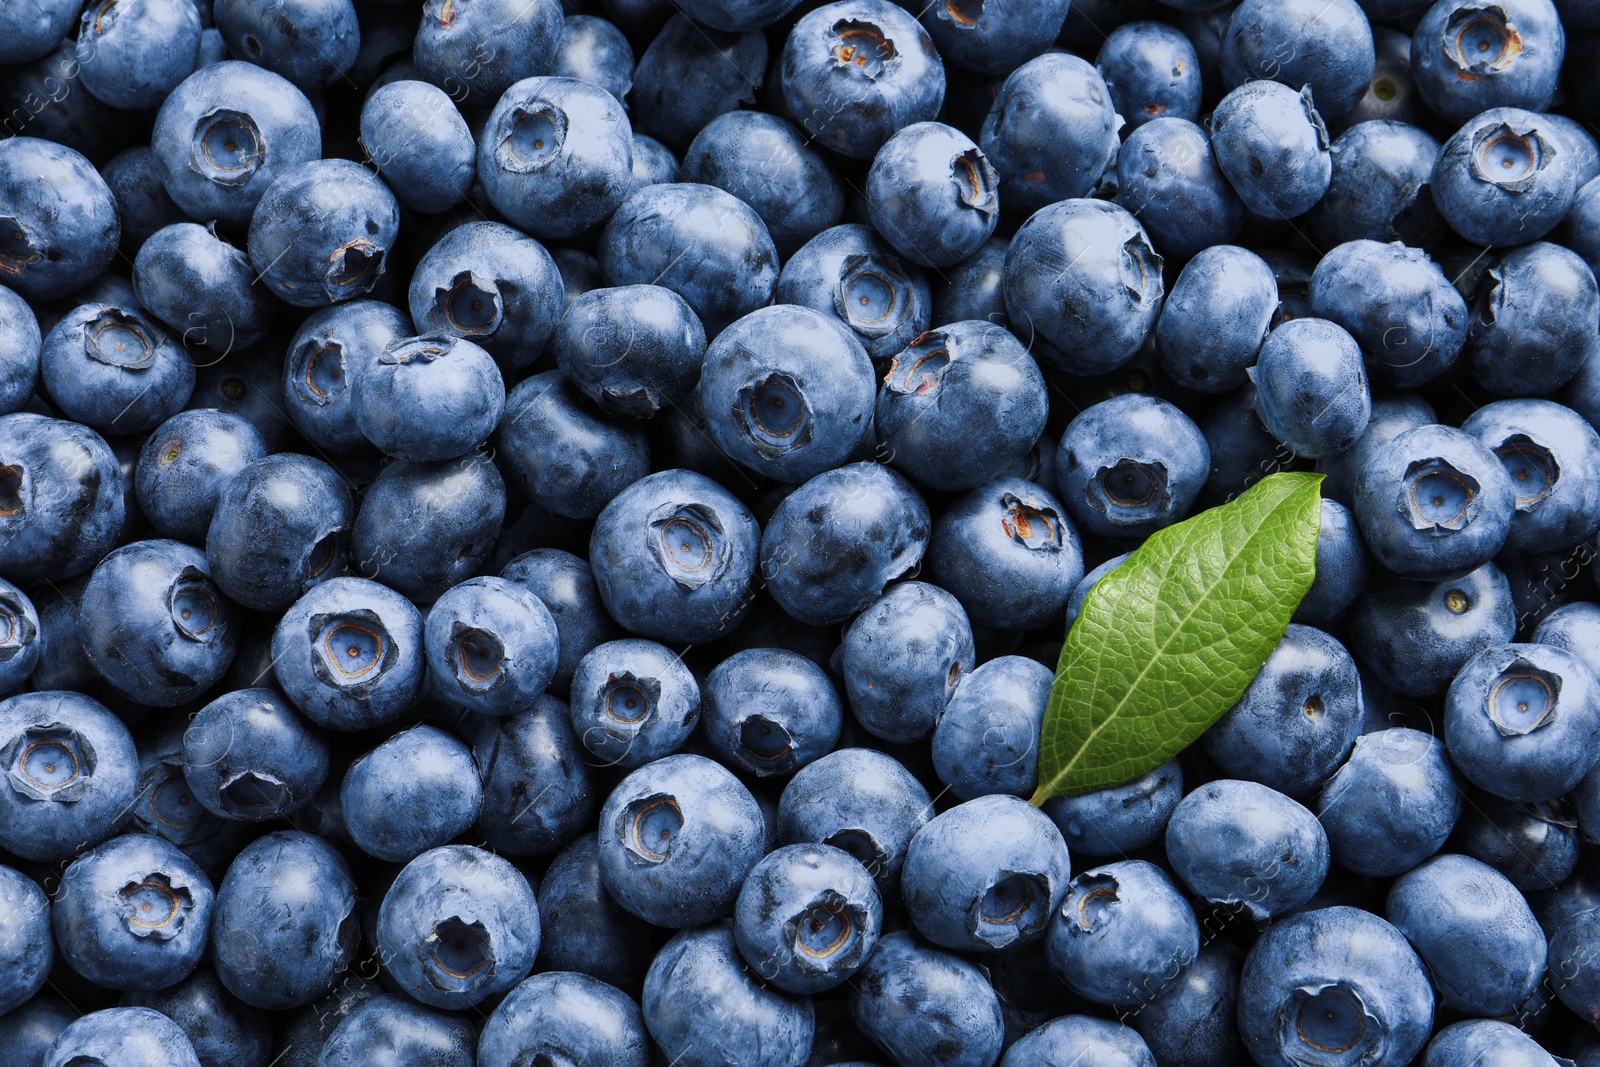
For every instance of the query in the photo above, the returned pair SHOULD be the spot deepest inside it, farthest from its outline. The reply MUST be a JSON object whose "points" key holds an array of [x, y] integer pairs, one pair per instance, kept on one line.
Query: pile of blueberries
{"points": [[536, 533]]}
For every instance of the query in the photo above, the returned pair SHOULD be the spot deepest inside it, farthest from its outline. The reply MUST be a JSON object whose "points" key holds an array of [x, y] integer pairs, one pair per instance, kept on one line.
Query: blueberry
{"points": [[416, 791], [633, 701], [1051, 132], [420, 144], [1468, 58], [1534, 845], [31, 1029], [1332, 52], [832, 545], [1416, 635], [475, 51], [698, 976], [202, 288], [113, 369], [1247, 848], [1574, 628], [806, 918], [1391, 416], [1502, 180], [310, 42], [1130, 465], [1342, 567], [855, 72], [564, 454], [494, 286], [585, 930], [1192, 1023], [304, 882], [221, 1029], [632, 350], [1571, 963], [1376, 191], [1311, 387], [1272, 144], [1216, 317], [1151, 71], [1167, 175], [225, 134], [972, 289], [349, 654], [933, 194], [490, 646], [60, 498], [248, 755], [123, 1037], [595, 51], [71, 774], [532, 753], [1066, 1037], [921, 1004], [1083, 283], [691, 74], [322, 233], [27, 949], [1333, 979], [391, 1031], [566, 585], [428, 398], [133, 55], [184, 465], [1122, 819], [1392, 804], [571, 1016], [1122, 934], [769, 711], [653, 164], [280, 527], [850, 273], [859, 800], [677, 838], [21, 637], [987, 738], [902, 657], [1483, 1041], [1530, 331], [58, 215], [33, 31], [19, 363], [424, 527], [251, 388]]}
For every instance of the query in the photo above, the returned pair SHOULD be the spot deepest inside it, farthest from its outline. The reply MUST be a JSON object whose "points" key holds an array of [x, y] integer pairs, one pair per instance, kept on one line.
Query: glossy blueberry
{"points": [[1122, 819], [987, 738], [564, 1016], [428, 398], [1122, 934], [1484, 1041], [902, 657], [474, 51], [1574, 628], [1083, 283], [1502, 180], [1332, 54], [310, 42], [993, 37], [1167, 175], [769, 711], [424, 527], [202, 288], [632, 350], [677, 838], [1550, 453], [25, 944], [566, 586], [1333, 979], [1392, 415], [1069, 1037], [1051, 132], [971, 290], [1192, 1022], [1311, 387], [58, 215], [1415, 635], [490, 646], [1216, 317], [1375, 193], [249, 756], [167, 807], [31, 32], [531, 753], [564, 454], [280, 527], [1530, 333], [850, 273], [1468, 57], [133, 54], [225, 134], [391, 1031], [933, 195], [309, 1028], [691, 74], [122, 1037], [322, 232], [859, 800], [414, 792], [492, 285], [1248, 848], [595, 51], [1130, 466], [585, 930], [71, 775], [653, 163], [1342, 566], [1392, 804], [807, 917], [1271, 143], [221, 1029], [31, 1029], [1577, 230], [420, 144], [1151, 71], [921, 1004], [114, 369]]}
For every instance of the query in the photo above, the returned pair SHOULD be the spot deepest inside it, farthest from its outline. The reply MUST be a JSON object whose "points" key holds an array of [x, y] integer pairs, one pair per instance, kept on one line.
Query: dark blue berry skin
{"points": [[133, 55], [985, 874], [26, 948], [1415, 635], [1581, 143], [735, 15], [332, 346], [1122, 934], [1242, 451], [570, 1016], [807, 918], [1052, 131], [414, 792], [1167, 175], [1575, 628], [699, 975], [391, 1031], [1468, 59], [202, 288], [1392, 804], [127, 1037], [566, 585], [1192, 1023], [653, 163], [1434, 503], [1475, 932], [1534, 845], [960, 405], [1084, 285], [1553, 459], [310, 42], [251, 388], [1483, 1041], [677, 838], [764, 161], [901, 659], [995, 37], [104, 929], [855, 72], [633, 701], [57, 801], [1332, 51], [1008, 553], [1531, 328], [585, 930], [859, 800], [690, 74], [32, 31], [249, 756], [428, 398], [674, 555], [421, 145], [279, 528], [851, 274], [154, 625], [424, 527], [1130, 465], [556, 156], [114, 369], [1349, 975], [933, 195], [66, 498], [21, 637], [1151, 71], [1067, 1036], [1342, 564], [769, 711], [490, 646], [1375, 193], [971, 290], [1391, 416], [1392, 94], [1577, 230], [1311, 387], [565, 455], [1504, 180], [1271, 143], [322, 232], [59, 216], [923, 1004], [475, 51], [1298, 719], [31, 1029], [1120, 820], [595, 51], [537, 790], [1398, 305], [308, 1029], [225, 134], [1247, 848], [632, 350], [312, 661], [734, 266], [19, 352], [1215, 318]]}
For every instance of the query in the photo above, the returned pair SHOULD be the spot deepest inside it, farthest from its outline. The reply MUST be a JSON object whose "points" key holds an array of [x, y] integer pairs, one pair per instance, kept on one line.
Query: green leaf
{"points": [[1169, 641]]}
